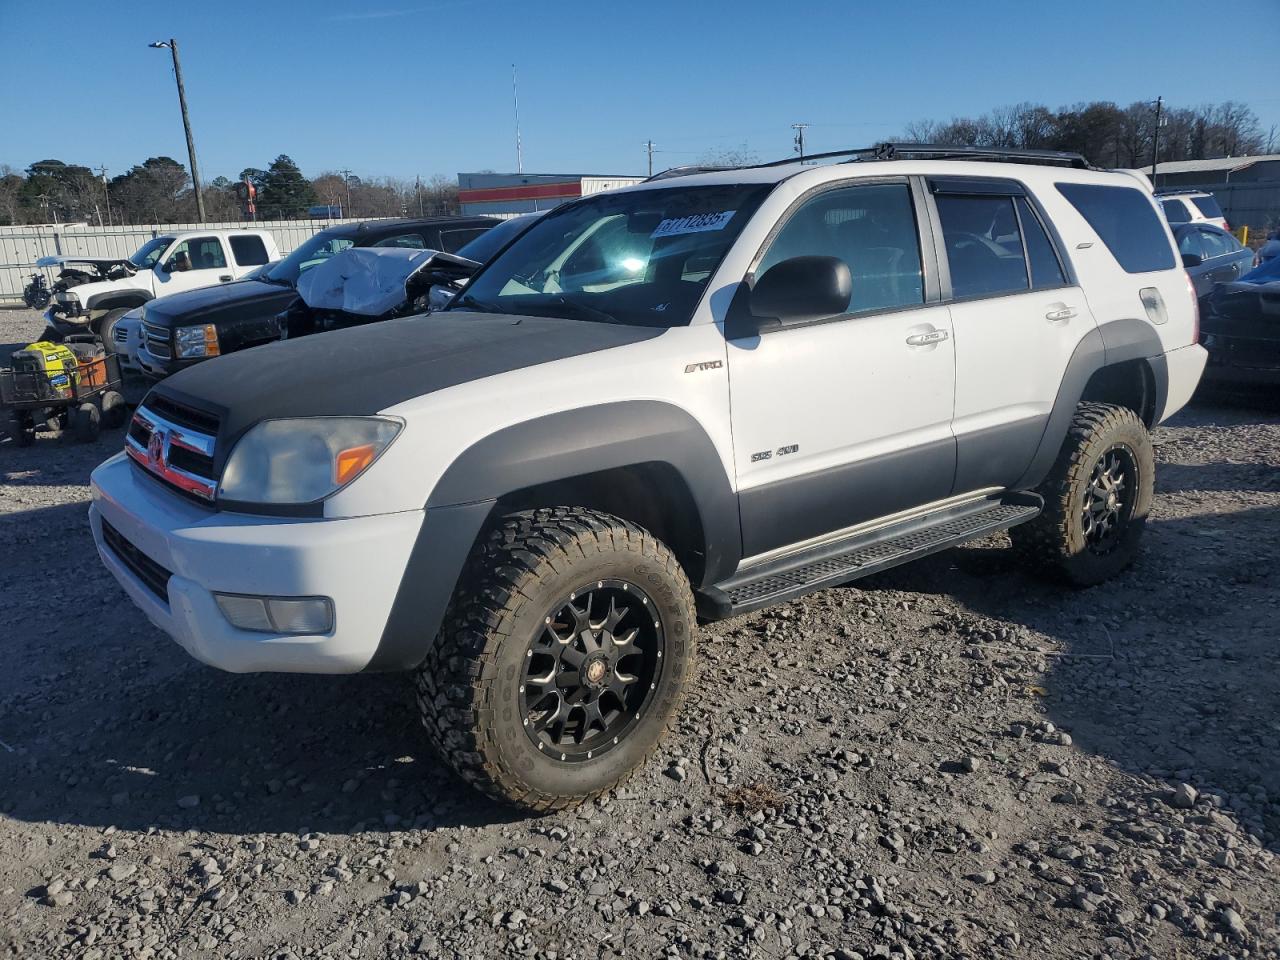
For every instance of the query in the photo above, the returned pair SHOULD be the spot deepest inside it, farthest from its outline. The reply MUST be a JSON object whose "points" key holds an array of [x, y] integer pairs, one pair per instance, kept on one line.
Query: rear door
{"points": [[1226, 258], [1018, 316]]}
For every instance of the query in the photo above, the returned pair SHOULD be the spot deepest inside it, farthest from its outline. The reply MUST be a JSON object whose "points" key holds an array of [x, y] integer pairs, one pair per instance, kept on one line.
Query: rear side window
{"points": [[872, 228], [249, 251], [1190, 243], [413, 241], [1125, 220], [1175, 211], [984, 245], [1208, 206], [1217, 244], [1046, 268], [451, 241]]}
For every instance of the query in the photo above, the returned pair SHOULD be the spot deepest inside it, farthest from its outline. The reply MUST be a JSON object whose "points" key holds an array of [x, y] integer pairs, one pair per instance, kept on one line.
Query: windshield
{"points": [[640, 257], [316, 250], [149, 253]]}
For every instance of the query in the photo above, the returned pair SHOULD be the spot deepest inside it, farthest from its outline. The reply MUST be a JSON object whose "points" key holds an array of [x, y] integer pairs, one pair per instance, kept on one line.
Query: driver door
{"points": [[207, 265], [847, 419]]}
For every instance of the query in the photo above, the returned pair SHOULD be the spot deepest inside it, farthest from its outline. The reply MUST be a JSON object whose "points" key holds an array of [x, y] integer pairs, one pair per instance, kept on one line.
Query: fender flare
{"points": [[1117, 342], [559, 446], [115, 299]]}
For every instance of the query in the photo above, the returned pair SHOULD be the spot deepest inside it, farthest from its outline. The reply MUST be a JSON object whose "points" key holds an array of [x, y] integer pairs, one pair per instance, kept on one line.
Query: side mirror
{"points": [[801, 290], [1192, 259]]}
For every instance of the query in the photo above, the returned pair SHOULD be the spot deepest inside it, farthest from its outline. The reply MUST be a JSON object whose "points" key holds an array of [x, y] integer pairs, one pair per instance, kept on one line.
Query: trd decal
{"points": [[704, 365]]}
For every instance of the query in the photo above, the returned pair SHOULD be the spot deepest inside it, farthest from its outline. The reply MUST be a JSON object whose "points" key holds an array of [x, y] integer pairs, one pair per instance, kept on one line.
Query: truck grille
{"points": [[157, 341], [153, 576], [175, 443], [120, 334]]}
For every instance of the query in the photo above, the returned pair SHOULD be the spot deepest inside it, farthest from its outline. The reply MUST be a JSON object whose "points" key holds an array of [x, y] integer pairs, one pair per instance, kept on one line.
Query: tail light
{"points": [[1225, 225], [1195, 309]]}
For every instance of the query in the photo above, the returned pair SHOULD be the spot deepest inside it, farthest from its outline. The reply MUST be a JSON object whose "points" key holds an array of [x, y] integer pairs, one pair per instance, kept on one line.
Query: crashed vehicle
{"points": [[92, 293], [1241, 330], [192, 327]]}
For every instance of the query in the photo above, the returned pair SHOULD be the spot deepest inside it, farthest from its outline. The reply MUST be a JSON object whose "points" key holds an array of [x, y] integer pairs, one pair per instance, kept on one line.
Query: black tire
{"points": [[517, 584], [21, 428], [86, 423], [105, 327], [1069, 540], [114, 410]]}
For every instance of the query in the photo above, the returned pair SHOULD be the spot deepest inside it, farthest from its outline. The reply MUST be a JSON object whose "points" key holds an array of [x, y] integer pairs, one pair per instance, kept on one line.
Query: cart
{"points": [[81, 394]]}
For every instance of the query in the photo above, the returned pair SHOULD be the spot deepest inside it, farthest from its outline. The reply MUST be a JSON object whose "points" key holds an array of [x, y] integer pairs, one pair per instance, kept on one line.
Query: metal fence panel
{"points": [[22, 246]]}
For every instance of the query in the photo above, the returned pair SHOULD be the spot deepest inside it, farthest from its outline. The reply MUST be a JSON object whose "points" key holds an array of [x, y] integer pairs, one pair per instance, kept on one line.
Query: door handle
{"points": [[1057, 316], [924, 339], [225, 278]]}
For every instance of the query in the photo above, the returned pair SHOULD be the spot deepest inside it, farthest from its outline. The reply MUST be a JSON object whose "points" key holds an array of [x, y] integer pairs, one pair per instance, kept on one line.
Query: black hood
{"points": [[364, 370], [230, 301]]}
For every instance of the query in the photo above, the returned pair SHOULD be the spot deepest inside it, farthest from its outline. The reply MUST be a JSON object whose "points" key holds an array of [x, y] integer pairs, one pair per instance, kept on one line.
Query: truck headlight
{"points": [[303, 460], [198, 341]]}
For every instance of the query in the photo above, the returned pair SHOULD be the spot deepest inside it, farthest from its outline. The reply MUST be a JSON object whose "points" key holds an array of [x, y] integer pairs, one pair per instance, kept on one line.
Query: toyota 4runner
{"points": [[687, 399]]}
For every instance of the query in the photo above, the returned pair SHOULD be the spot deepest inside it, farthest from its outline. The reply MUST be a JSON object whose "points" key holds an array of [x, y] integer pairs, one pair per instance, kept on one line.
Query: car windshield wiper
{"points": [[467, 300], [581, 311]]}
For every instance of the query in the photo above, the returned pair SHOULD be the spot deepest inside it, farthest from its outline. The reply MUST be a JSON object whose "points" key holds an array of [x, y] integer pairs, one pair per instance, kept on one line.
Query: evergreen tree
{"points": [[284, 191]]}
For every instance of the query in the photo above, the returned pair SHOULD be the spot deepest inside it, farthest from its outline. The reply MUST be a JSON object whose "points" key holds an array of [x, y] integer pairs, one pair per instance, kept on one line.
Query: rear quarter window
{"points": [[1208, 206], [1126, 222], [249, 251], [1175, 211]]}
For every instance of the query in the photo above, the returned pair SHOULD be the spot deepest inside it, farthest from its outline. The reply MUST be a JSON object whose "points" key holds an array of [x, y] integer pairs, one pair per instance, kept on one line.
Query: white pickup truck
{"points": [[91, 293]]}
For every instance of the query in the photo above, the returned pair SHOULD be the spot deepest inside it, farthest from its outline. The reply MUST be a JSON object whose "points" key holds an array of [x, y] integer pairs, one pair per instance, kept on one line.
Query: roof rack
{"points": [[1178, 191], [945, 151], [689, 169]]}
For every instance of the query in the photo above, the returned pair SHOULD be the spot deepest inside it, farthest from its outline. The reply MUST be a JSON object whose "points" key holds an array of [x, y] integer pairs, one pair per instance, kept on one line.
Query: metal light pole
{"points": [[172, 46]]}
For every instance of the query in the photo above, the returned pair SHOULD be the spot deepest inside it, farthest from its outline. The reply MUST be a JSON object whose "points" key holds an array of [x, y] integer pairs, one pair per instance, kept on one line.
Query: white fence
{"points": [[22, 246]]}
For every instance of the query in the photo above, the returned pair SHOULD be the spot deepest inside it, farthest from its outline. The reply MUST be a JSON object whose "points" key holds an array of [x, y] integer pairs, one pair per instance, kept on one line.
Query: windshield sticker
{"points": [[698, 223]]}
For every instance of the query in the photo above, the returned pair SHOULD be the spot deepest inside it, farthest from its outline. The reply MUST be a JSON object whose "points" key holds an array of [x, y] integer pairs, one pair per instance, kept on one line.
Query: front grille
{"points": [[157, 341], [120, 334], [153, 576], [175, 444]]}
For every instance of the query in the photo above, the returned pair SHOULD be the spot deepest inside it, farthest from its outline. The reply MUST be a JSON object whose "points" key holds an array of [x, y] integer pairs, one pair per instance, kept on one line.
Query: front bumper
{"points": [[65, 323], [358, 563], [157, 368]]}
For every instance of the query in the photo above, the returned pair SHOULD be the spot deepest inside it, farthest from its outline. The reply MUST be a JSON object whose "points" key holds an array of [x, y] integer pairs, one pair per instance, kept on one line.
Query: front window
{"points": [[640, 257], [316, 250], [148, 254]]}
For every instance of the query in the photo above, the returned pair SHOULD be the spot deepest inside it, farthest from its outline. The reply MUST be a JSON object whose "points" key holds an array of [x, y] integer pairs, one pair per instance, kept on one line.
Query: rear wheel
{"points": [[114, 411], [86, 422], [22, 428], [1097, 498], [563, 657]]}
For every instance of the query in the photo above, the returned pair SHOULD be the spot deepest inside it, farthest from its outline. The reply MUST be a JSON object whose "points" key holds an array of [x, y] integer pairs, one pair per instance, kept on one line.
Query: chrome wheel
{"points": [[590, 673]]}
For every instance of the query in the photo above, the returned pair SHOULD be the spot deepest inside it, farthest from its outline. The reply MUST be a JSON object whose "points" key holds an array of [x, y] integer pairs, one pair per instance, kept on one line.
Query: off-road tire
{"points": [[105, 328], [469, 687], [86, 423], [1055, 542]]}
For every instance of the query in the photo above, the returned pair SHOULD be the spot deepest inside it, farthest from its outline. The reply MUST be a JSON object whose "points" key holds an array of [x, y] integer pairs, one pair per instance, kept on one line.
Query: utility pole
{"points": [[346, 181], [515, 102], [417, 186], [799, 128], [172, 45], [106, 197], [1155, 142], [649, 147]]}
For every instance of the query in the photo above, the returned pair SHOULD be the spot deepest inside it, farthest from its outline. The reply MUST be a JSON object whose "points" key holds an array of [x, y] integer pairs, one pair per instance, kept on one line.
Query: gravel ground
{"points": [[949, 760]]}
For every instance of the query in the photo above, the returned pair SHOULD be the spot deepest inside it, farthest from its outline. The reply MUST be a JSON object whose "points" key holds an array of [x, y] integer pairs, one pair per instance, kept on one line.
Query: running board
{"points": [[863, 554]]}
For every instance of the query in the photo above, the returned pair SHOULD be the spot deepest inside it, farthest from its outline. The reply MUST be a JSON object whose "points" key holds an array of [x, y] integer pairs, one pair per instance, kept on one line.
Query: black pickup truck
{"points": [[187, 328]]}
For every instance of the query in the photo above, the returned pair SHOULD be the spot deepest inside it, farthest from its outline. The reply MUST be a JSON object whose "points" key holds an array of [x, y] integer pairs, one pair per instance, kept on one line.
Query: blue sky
{"points": [[400, 88]]}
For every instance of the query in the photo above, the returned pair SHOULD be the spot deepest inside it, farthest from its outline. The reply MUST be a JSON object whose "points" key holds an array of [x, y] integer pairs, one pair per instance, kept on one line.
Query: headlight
{"points": [[201, 341], [304, 460]]}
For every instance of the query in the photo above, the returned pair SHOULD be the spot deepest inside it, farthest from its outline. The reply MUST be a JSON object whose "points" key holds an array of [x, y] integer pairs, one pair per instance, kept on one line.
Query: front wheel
{"points": [[1097, 498], [563, 658]]}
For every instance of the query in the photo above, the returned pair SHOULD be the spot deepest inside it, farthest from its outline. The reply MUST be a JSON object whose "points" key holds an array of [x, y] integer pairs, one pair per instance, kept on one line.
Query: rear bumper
{"points": [[1183, 368], [187, 552]]}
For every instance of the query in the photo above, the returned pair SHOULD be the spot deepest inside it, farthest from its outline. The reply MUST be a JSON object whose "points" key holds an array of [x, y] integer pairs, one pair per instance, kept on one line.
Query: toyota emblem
{"points": [[155, 448]]}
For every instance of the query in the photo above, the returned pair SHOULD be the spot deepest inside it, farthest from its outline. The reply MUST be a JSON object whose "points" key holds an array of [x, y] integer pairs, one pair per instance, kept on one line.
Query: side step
{"points": [[863, 554]]}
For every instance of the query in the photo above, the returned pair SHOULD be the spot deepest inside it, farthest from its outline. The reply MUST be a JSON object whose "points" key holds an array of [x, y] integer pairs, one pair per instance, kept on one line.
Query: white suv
{"points": [[689, 398], [93, 292], [1191, 206]]}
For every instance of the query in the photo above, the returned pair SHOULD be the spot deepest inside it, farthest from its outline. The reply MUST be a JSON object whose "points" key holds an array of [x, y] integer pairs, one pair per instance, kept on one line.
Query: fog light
{"points": [[277, 614]]}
